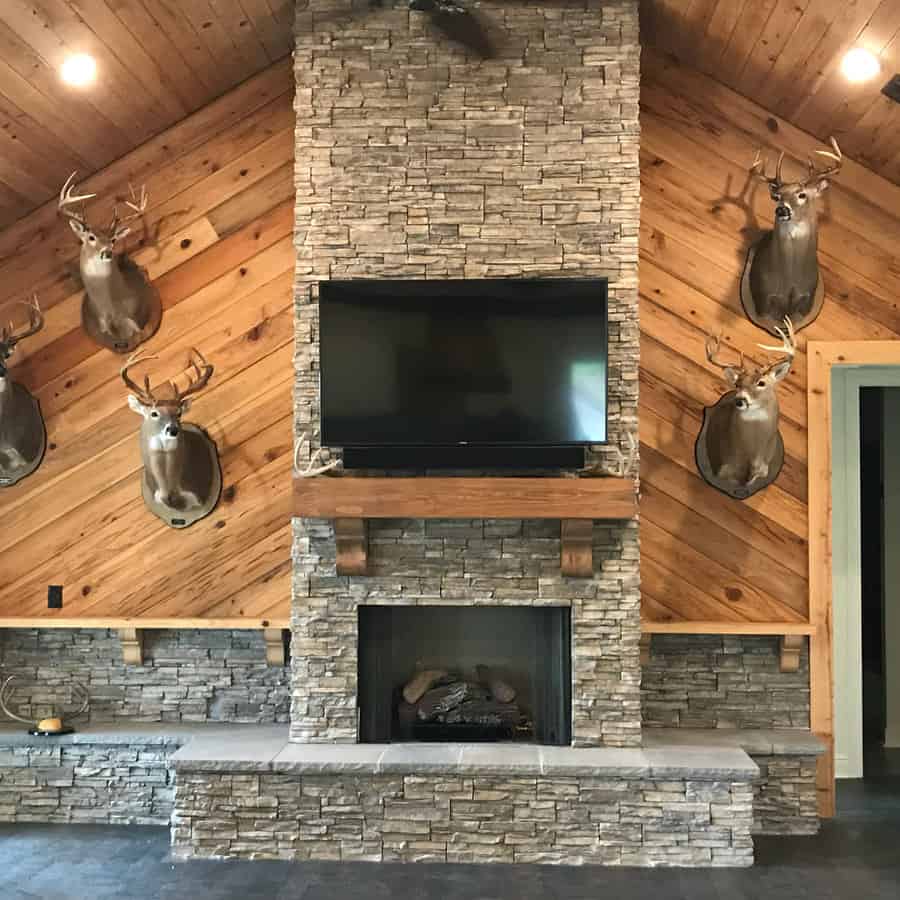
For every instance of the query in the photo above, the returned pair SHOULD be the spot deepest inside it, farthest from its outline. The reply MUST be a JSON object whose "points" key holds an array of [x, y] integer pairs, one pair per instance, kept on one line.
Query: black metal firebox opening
{"points": [[527, 649]]}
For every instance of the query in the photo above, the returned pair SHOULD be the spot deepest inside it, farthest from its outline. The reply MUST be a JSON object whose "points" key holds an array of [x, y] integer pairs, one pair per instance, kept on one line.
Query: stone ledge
{"points": [[261, 753], [755, 741], [143, 733]]}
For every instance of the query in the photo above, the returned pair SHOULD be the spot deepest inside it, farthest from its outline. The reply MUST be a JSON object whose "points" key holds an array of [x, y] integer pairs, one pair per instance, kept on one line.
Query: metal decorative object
{"points": [[182, 480], [739, 450], [781, 278], [121, 308], [23, 437], [59, 722]]}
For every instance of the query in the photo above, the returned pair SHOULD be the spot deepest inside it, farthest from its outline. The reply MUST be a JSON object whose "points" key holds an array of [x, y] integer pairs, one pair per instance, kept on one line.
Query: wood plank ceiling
{"points": [[786, 55], [158, 61]]}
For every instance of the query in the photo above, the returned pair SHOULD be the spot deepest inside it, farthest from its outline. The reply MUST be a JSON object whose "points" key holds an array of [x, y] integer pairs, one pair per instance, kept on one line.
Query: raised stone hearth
{"points": [[464, 803]]}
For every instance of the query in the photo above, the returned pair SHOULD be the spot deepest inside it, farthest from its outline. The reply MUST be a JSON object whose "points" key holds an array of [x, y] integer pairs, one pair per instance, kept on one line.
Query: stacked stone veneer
{"points": [[121, 784], [415, 158], [715, 681], [785, 795], [490, 818], [187, 675]]}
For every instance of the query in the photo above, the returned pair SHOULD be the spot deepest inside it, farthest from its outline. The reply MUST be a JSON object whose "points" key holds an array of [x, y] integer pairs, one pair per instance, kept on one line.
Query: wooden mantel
{"points": [[576, 502]]}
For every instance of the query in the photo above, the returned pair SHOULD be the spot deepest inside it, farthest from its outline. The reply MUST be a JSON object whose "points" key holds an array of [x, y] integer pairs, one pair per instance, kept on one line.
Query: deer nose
{"points": [[741, 402], [172, 431], [782, 212]]}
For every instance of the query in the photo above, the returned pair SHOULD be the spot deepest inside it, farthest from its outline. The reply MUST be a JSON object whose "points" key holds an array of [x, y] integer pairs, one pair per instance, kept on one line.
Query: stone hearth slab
{"points": [[267, 750], [755, 741]]}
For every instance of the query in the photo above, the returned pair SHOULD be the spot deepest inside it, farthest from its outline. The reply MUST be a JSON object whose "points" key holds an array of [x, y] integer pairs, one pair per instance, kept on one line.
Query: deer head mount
{"points": [[59, 721], [23, 437], [121, 309], [740, 450], [781, 278], [182, 479]]}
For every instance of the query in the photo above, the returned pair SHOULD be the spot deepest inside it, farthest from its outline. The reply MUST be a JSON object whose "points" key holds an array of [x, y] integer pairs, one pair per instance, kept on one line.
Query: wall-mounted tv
{"points": [[489, 362]]}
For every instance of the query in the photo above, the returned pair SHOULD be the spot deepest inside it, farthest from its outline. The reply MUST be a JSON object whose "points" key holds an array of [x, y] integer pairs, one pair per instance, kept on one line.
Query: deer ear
{"points": [[136, 406], [823, 185], [77, 227], [186, 405], [732, 376], [781, 369]]}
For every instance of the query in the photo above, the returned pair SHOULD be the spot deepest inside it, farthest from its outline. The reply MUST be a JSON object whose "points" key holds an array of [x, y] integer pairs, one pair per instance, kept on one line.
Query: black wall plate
{"points": [[892, 89], [54, 596]]}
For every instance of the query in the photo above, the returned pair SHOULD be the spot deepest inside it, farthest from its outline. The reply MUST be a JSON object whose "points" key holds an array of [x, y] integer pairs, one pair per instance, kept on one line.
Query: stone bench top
{"points": [[262, 753], [757, 741], [136, 733]]}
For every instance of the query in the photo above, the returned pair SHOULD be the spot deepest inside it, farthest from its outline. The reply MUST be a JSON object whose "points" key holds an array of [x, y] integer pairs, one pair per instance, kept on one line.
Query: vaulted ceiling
{"points": [[162, 59], [786, 55], [157, 60]]}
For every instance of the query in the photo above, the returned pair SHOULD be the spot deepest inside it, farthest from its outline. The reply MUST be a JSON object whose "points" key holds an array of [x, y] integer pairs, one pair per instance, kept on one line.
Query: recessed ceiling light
{"points": [[79, 70], [860, 65]]}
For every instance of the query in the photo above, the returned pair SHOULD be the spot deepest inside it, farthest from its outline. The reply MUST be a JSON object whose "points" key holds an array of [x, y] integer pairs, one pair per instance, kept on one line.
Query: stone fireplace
{"points": [[416, 158]]}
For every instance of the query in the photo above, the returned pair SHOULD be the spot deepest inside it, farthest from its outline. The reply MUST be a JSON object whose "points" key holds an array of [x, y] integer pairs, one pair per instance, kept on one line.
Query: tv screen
{"points": [[474, 361]]}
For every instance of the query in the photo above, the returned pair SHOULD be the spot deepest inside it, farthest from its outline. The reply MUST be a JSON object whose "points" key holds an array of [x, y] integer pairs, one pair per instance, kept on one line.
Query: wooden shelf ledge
{"points": [[577, 502], [774, 628], [790, 634]]}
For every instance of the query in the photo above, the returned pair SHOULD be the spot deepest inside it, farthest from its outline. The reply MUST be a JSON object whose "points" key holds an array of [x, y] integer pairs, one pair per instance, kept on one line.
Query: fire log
{"points": [[421, 683], [501, 690]]}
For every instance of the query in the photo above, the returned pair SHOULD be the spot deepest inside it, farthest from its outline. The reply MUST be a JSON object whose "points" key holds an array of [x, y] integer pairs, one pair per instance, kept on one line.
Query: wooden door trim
{"points": [[821, 357]]}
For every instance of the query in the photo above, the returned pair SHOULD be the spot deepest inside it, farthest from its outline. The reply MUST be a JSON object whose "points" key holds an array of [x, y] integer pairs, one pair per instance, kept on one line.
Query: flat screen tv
{"points": [[487, 362]]}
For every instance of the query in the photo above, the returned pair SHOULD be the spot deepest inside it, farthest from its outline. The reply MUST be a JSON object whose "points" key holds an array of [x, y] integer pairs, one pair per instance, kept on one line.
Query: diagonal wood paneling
{"points": [[706, 557], [786, 55], [220, 185], [221, 253], [158, 61]]}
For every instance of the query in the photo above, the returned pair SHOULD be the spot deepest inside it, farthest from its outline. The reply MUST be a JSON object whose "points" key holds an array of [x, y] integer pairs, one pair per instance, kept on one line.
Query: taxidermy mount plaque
{"points": [[121, 308], [781, 278], [23, 437], [182, 480], [739, 450]]}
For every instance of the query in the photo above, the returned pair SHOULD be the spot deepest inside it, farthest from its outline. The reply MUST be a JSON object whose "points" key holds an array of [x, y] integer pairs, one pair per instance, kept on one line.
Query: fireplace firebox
{"points": [[465, 673]]}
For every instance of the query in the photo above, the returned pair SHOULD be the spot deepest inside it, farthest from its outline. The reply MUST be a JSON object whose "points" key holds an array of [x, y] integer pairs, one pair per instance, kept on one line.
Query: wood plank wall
{"points": [[220, 250], [221, 181], [705, 556]]}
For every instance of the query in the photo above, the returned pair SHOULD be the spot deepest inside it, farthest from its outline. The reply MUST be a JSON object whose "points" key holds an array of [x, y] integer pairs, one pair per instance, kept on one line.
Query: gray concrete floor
{"points": [[855, 857]]}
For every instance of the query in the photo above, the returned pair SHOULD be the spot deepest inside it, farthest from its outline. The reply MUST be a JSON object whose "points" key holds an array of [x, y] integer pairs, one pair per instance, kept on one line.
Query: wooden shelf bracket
{"points": [[790, 646], [132, 640], [644, 644], [274, 638]]}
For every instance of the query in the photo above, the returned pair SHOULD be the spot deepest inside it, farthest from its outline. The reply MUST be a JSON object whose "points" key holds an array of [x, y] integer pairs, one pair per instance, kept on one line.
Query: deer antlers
{"points": [[68, 198], [788, 340], [77, 689], [758, 169], [200, 371], [713, 348], [787, 348], [117, 227], [8, 334]]}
